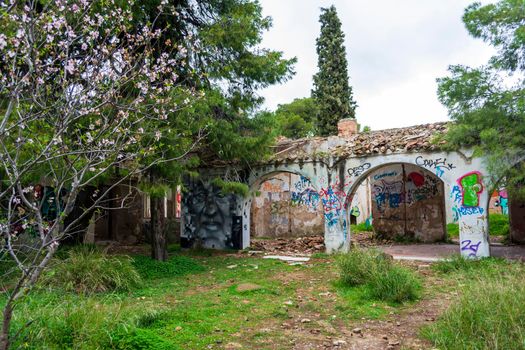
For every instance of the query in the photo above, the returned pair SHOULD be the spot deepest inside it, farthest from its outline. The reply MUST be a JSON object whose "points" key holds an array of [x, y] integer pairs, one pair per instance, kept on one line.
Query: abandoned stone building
{"points": [[399, 179]]}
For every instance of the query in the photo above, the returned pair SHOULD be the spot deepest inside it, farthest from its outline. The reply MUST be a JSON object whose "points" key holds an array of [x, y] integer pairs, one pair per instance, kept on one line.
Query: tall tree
{"points": [[332, 90], [227, 68], [487, 103]]}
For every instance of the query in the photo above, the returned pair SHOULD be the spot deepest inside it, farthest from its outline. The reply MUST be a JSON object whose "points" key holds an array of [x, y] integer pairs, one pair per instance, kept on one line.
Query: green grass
{"points": [[177, 265], [362, 227], [490, 310], [87, 269], [384, 280]]}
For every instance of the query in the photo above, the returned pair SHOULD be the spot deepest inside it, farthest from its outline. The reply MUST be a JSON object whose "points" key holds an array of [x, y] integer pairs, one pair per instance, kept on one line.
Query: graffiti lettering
{"points": [[380, 176], [435, 163], [358, 170], [472, 188], [468, 245], [463, 211]]}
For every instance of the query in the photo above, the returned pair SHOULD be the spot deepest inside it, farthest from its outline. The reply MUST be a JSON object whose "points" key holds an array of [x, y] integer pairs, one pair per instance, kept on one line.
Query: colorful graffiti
{"points": [[503, 201], [471, 188], [460, 210], [304, 194]]}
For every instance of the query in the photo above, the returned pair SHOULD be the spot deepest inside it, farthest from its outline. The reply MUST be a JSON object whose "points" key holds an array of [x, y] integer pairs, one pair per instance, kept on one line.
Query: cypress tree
{"points": [[332, 90]]}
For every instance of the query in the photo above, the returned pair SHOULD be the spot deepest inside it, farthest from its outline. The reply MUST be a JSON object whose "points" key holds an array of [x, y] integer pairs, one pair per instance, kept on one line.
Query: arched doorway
{"points": [[404, 202], [286, 207]]}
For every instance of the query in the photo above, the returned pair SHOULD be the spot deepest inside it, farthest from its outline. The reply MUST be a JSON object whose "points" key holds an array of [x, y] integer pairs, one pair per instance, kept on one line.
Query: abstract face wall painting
{"points": [[208, 217]]}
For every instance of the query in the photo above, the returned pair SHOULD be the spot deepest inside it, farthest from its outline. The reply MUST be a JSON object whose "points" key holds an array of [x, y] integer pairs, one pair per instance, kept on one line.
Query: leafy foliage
{"points": [[332, 90], [297, 118], [487, 103]]}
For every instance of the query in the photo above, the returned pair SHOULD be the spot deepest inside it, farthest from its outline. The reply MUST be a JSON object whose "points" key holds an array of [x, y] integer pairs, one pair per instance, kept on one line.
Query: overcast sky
{"points": [[395, 50]]}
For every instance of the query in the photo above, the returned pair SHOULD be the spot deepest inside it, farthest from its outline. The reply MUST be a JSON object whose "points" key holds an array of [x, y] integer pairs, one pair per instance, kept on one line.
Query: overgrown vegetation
{"points": [[362, 227], [87, 269], [177, 265], [490, 310], [384, 280]]}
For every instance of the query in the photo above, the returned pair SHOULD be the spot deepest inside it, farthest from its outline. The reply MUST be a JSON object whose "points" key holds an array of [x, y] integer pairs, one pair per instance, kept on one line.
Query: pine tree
{"points": [[331, 90]]}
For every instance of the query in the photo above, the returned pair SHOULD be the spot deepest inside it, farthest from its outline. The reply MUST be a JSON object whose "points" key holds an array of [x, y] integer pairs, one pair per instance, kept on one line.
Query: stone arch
{"points": [[452, 168], [404, 197], [257, 178]]}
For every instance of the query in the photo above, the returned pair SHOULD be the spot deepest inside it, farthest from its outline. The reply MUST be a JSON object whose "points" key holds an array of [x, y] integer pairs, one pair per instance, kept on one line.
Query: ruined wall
{"points": [[408, 203], [286, 206]]}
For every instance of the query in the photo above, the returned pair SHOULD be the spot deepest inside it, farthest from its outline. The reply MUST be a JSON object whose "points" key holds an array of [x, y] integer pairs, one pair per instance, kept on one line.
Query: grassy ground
{"points": [[234, 301]]}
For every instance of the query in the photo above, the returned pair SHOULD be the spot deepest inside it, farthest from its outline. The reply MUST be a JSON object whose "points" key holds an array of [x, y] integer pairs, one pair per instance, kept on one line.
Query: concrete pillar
{"points": [[472, 215]]}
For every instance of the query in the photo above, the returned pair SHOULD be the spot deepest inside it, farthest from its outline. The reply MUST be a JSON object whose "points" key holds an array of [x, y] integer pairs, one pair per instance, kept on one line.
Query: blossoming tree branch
{"points": [[85, 95]]}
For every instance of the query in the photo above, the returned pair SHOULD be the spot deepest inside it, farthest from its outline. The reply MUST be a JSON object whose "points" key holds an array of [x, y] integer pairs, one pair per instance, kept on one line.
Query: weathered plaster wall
{"points": [[408, 203], [284, 207]]}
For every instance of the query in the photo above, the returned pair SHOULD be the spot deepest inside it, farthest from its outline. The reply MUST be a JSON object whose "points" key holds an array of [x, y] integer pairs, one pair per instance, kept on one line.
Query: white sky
{"points": [[395, 50]]}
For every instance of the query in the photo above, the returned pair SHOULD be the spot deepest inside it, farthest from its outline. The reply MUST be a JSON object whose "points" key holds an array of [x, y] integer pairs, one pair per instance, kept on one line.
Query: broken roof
{"points": [[416, 138]]}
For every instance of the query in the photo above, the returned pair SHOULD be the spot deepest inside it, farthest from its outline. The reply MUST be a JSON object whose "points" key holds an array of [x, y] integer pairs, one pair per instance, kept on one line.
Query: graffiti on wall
{"points": [[439, 165], [502, 201], [358, 170], [470, 247], [421, 187], [304, 194], [469, 185], [387, 194], [208, 217], [471, 188]]}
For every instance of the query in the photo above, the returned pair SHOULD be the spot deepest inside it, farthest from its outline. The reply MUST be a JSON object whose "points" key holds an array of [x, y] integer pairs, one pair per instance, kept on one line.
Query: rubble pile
{"points": [[291, 246]]}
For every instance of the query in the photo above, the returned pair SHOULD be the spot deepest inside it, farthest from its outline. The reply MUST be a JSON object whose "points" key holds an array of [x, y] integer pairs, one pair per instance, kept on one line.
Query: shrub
{"points": [[395, 284], [453, 230], [357, 266], [177, 265], [374, 269], [488, 315], [90, 270], [498, 225]]}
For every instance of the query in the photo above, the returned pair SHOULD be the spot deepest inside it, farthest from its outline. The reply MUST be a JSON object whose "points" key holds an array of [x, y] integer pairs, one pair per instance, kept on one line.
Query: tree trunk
{"points": [[158, 233], [6, 322]]}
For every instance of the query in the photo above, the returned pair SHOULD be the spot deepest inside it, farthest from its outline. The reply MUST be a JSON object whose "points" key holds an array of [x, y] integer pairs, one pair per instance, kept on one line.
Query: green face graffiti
{"points": [[472, 187]]}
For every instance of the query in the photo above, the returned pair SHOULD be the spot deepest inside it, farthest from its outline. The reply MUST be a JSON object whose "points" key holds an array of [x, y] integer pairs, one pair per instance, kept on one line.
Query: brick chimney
{"points": [[346, 127]]}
